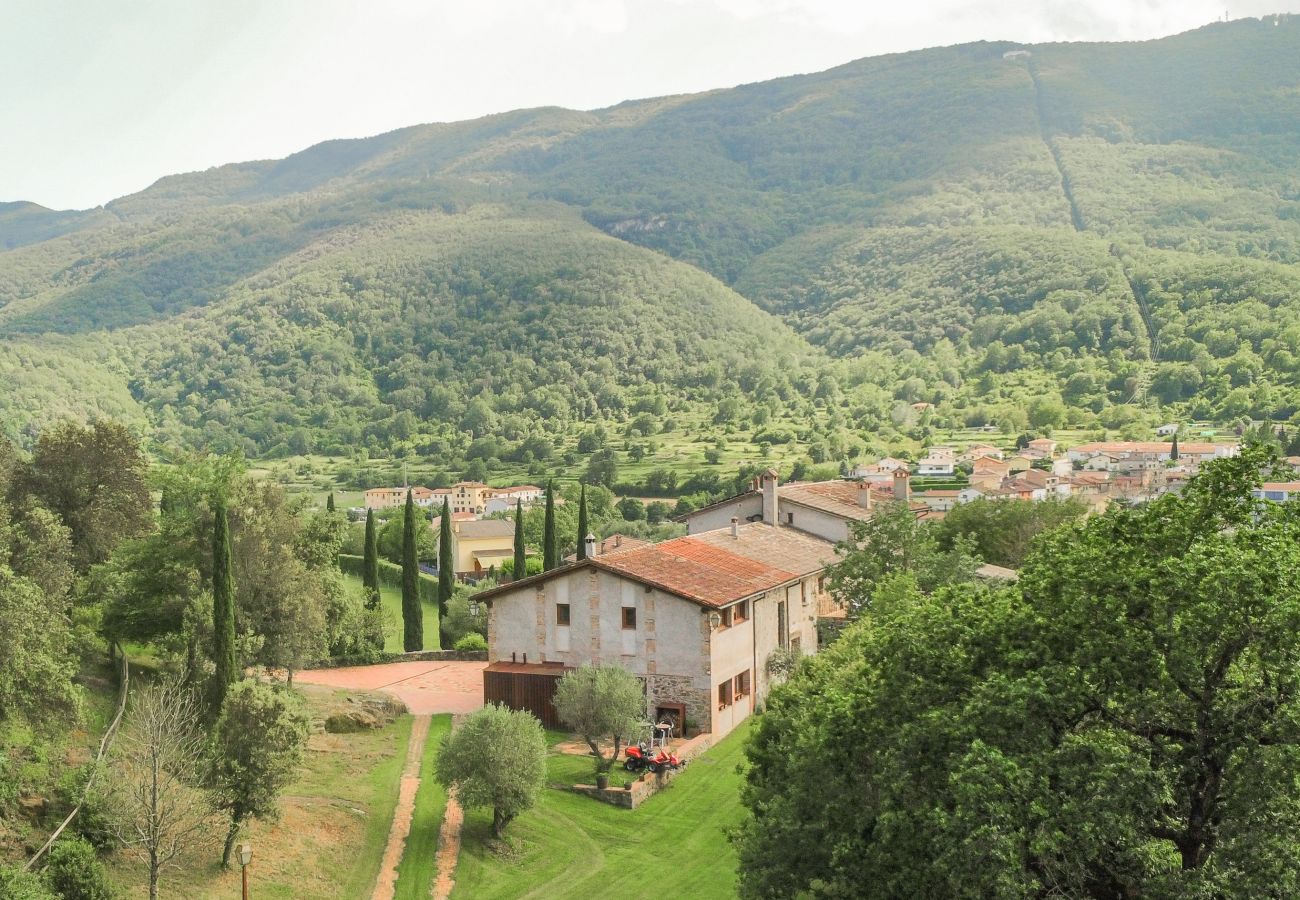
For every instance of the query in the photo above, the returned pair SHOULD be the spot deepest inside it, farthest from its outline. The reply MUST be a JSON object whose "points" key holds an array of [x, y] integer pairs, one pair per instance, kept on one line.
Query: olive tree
{"points": [[601, 703], [496, 758]]}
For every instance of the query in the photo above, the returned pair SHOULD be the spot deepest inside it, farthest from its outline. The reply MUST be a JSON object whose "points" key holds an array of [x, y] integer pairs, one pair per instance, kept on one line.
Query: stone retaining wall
{"points": [[638, 791]]}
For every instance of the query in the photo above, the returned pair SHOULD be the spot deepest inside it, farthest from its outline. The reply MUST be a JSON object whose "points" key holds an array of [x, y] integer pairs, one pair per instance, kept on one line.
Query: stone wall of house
{"points": [[680, 689]]}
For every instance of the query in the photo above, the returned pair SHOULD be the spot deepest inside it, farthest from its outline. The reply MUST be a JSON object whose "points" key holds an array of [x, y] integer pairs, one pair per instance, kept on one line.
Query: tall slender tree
{"points": [[370, 563], [521, 555], [223, 608], [582, 522], [412, 612], [446, 566], [1173, 449], [329, 502], [550, 550]]}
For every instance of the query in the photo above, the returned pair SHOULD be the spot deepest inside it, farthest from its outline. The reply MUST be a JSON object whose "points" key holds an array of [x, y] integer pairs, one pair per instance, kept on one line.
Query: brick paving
{"points": [[427, 688]]}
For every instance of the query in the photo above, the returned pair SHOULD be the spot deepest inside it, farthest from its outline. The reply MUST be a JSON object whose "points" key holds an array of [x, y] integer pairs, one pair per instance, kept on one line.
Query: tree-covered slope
{"points": [[440, 328], [1097, 228]]}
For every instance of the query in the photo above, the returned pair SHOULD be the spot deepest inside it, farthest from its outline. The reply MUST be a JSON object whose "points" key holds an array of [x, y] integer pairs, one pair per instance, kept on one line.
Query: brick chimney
{"points": [[864, 494], [902, 484], [591, 546], [768, 482]]}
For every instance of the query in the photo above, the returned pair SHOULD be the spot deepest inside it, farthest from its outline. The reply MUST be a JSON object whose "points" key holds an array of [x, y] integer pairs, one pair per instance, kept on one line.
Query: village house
{"points": [[936, 463], [881, 471], [939, 500], [505, 499], [470, 496], [696, 618], [990, 465], [1040, 448], [388, 498], [1189, 454], [975, 451], [478, 544], [1281, 491], [823, 508]]}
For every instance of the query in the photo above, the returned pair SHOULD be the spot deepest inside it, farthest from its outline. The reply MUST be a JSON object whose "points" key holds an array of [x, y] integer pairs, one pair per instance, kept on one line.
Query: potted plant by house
{"points": [[602, 779]]}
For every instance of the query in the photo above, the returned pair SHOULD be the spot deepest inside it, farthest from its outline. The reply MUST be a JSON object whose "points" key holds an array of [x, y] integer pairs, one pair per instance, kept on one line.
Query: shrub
{"points": [[74, 872], [471, 642]]}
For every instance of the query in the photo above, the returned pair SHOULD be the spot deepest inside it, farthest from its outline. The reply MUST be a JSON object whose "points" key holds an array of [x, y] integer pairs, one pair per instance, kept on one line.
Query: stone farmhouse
{"points": [[696, 618]]}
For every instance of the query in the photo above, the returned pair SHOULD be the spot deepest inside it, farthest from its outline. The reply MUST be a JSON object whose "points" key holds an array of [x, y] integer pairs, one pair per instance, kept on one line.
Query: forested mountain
{"points": [[1102, 229]]}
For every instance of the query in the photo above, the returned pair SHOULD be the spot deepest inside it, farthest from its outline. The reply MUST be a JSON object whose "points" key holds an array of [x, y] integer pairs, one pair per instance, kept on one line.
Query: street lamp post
{"points": [[245, 857]]}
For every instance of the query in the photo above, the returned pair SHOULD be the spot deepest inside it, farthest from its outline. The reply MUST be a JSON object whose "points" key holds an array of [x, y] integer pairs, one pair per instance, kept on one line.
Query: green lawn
{"points": [[420, 857], [674, 845], [390, 599]]}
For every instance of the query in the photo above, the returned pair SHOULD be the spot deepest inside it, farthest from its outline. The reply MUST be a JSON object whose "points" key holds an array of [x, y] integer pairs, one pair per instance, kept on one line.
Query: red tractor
{"points": [[652, 753]]}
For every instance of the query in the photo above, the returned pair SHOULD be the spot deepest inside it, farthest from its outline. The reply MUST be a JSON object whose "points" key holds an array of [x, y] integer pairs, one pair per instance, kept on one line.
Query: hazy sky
{"points": [[99, 98]]}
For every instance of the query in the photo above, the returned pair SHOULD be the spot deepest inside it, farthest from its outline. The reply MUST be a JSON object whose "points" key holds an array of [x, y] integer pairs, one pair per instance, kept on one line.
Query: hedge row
{"points": [[391, 575]]}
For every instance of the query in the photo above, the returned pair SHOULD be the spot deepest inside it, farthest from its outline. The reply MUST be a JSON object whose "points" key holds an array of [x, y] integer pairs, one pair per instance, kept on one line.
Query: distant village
{"points": [[700, 617]]}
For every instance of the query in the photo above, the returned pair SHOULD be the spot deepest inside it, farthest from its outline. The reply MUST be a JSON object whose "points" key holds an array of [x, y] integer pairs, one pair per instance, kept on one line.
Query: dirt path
{"points": [[449, 840], [403, 813], [448, 848]]}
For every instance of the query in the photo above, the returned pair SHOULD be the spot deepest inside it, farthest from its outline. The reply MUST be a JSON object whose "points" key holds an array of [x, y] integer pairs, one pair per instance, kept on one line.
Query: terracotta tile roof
{"points": [[999, 573], [615, 543], [715, 569], [942, 493], [1289, 486], [712, 568], [838, 497]]}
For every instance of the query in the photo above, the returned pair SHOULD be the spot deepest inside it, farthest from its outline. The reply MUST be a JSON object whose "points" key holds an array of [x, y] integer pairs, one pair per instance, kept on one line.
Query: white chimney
{"points": [[591, 546], [768, 481], [864, 494], [735, 526]]}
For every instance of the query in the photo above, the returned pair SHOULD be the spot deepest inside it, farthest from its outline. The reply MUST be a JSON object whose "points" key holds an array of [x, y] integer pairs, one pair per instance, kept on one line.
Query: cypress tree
{"points": [[521, 555], [1173, 450], [550, 553], [582, 523], [412, 612], [223, 608], [329, 502], [446, 564], [370, 563]]}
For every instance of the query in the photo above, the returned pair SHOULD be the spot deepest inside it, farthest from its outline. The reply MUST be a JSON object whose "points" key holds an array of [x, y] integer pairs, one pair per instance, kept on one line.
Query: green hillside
{"points": [[1092, 235]]}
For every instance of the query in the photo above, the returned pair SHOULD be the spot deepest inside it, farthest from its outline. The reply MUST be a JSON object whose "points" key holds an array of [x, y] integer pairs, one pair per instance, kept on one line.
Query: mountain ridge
{"points": [[1030, 241]]}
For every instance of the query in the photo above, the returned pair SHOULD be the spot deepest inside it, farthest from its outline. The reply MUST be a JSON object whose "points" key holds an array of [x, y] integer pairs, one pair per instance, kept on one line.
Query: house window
{"points": [[629, 618], [789, 518], [741, 684], [726, 618], [724, 694], [782, 630], [561, 614], [740, 612]]}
